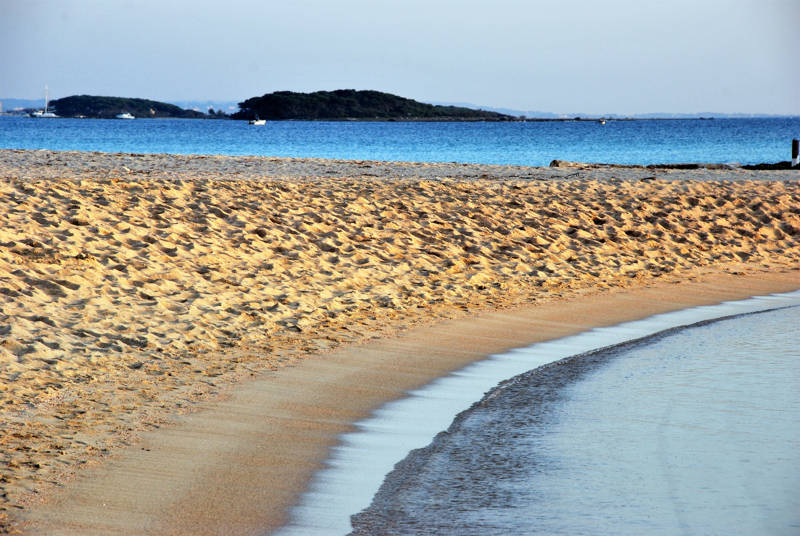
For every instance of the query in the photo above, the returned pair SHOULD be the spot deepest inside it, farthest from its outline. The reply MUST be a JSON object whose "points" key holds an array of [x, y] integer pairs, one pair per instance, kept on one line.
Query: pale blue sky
{"points": [[617, 56]]}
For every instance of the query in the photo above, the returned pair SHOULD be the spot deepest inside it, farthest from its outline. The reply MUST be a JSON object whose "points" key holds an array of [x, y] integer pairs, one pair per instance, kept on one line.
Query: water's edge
{"points": [[356, 468], [375, 518]]}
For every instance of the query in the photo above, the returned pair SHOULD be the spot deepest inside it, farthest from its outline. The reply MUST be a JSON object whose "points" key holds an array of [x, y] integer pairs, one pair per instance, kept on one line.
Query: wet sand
{"points": [[137, 288]]}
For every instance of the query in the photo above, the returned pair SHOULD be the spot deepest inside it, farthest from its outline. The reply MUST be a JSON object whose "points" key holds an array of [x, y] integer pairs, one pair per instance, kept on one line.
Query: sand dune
{"points": [[132, 286]]}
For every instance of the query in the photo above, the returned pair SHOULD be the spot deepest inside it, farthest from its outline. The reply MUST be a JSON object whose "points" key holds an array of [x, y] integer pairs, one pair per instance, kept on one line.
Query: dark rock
{"points": [[778, 165]]}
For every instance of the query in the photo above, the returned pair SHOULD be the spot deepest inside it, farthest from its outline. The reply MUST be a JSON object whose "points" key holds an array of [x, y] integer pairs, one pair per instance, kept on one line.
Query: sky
{"points": [[560, 56]]}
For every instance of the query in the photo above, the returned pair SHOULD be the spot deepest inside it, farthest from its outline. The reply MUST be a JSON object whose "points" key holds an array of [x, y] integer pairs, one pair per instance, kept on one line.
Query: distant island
{"points": [[338, 105], [346, 104], [109, 107]]}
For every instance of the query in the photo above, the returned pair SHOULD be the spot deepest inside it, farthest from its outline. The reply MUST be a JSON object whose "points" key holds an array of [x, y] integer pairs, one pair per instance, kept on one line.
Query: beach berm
{"points": [[133, 287]]}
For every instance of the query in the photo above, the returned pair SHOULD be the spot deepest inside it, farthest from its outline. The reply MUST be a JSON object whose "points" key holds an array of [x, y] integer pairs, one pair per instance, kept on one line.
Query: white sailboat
{"points": [[45, 113], [257, 121]]}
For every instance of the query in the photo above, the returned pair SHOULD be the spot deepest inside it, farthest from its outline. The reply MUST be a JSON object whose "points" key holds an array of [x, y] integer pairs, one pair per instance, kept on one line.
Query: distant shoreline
{"points": [[50, 163], [38, 159]]}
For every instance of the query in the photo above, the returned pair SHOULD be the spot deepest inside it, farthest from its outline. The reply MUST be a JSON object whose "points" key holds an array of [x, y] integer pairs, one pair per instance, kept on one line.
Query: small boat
{"points": [[257, 121], [44, 113], [602, 121], [125, 115]]}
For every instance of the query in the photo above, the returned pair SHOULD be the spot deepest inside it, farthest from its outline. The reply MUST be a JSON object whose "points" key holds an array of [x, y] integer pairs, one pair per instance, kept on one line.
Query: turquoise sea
{"points": [[745, 141]]}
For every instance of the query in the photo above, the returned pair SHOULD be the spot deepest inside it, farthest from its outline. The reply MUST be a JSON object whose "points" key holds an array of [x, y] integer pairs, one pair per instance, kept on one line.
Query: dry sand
{"points": [[133, 286]]}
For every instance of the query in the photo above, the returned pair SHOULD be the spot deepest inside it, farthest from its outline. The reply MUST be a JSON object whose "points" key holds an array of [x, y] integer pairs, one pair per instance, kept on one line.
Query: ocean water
{"points": [[693, 432], [745, 141], [487, 476]]}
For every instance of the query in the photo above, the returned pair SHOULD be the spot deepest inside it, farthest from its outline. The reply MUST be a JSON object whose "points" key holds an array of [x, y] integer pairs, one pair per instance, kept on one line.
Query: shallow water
{"points": [[747, 141], [356, 468], [695, 432]]}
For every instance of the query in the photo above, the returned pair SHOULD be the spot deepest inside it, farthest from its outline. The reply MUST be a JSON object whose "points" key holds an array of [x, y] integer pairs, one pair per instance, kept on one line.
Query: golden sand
{"points": [[132, 286]]}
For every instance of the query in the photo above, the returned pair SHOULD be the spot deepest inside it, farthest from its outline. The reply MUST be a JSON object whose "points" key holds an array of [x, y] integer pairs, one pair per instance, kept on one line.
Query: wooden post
{"points": [[795, 152]]}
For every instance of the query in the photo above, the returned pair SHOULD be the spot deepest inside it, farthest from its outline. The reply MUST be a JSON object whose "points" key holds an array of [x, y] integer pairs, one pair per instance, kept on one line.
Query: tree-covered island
{"points": [[109, 107], [338, 105], [346, 104]]}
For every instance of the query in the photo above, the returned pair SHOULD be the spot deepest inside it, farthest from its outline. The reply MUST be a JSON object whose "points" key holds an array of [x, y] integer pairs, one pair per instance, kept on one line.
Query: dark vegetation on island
{"points": [[346, 104], [108, 107]]}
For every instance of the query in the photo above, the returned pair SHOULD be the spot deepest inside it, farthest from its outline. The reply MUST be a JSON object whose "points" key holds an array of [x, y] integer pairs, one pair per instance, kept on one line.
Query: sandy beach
{"points": [[185, 336]]}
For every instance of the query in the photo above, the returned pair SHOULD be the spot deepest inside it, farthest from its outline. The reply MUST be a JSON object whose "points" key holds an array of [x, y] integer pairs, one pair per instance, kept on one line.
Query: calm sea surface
{"points": [[746, 141], [695, 432]]}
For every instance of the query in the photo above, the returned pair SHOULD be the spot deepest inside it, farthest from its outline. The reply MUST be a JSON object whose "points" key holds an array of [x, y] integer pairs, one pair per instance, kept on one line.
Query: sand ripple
{"points": [[128, 292]]}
